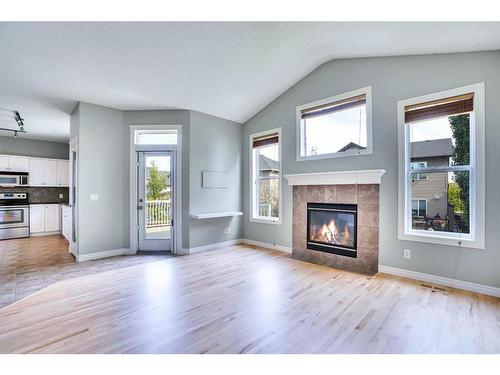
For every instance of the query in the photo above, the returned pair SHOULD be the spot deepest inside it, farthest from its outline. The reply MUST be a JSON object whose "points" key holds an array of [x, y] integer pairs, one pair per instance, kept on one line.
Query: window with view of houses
{"points": [[266, 176], [439, 164]]}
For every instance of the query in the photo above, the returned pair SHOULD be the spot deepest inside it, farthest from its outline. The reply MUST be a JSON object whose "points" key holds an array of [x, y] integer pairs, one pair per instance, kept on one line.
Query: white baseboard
{"points": [[212, 246], [40, 234], [102, 254], [267, 245], [440, 280]]}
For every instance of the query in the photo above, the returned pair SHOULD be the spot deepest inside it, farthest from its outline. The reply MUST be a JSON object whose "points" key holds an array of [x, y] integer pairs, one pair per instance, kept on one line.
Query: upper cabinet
{"points": [[42, 172], [48, 172], [62, 173], [14, 163]]}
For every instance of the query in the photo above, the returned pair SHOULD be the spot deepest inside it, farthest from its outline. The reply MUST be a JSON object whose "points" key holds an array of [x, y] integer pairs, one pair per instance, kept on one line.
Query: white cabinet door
{"points": [[37, 218], [50, 173], [4, 163], [36, 172], [18, 164], [62, 173], [65, 221], [52, 218]]}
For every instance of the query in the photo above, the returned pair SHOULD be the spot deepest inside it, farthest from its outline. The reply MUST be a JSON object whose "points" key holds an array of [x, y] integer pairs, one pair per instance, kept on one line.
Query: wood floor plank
{"points": [[241, 299]]}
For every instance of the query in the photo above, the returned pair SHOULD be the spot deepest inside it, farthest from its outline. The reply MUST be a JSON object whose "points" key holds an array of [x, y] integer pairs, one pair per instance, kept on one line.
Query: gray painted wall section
{"points": [[215, 145], [102, 166], [392, 79], [35, 148]]}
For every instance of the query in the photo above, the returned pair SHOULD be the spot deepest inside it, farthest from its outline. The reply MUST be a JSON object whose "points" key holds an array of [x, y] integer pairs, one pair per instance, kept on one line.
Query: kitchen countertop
{"points": [[64, 203]]}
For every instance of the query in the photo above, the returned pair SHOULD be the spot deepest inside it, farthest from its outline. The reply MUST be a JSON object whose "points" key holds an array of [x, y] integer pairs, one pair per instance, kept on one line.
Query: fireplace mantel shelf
{"points": [[367, 176]]}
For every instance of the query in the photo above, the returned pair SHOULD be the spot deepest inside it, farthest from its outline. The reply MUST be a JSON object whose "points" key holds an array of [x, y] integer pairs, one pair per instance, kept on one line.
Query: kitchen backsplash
{"points": [[41, 194]]}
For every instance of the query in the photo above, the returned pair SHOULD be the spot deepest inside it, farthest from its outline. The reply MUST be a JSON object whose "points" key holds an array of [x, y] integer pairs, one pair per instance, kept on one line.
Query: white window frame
{"points": [[369, 129], [475, 239], [253, 180]]}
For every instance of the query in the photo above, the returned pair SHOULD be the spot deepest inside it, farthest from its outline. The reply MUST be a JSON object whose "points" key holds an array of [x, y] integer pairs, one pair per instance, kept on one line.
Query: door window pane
{"points": [[158, 207]]}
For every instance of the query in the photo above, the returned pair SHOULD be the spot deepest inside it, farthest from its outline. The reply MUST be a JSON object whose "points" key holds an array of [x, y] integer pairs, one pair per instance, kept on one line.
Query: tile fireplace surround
{"points": [[364, 193]]}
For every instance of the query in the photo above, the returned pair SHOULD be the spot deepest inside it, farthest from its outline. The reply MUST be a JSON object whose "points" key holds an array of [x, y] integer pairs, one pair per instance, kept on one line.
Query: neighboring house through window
{"points": [[442, 167], [335, 126], [266, 176]]}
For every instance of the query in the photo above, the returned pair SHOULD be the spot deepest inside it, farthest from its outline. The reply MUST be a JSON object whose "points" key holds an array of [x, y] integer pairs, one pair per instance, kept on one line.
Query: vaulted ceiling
{"points": [[230, 70]]}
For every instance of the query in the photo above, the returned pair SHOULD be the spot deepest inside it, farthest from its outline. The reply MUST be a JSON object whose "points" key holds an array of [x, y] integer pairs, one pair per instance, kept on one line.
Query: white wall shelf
{"points": [[216, 214], [372, 176]]}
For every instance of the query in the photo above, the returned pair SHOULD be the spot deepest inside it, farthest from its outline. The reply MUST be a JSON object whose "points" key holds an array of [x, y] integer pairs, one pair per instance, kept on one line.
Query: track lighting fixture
{"points": [[19, 121]]}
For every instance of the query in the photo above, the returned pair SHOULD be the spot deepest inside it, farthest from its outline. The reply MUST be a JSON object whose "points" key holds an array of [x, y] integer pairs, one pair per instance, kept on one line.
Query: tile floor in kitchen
{"points": [[30, 264]]}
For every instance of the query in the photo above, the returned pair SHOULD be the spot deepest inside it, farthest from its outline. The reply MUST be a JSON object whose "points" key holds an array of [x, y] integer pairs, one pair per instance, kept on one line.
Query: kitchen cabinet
{"points": [[66, 221], [48, 172], [36, 177], [62, 173], [44, 218], [14, 163], [37, 218]]}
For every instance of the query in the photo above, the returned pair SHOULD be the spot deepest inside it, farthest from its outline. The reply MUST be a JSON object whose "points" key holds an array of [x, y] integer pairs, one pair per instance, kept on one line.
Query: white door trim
{"points": [[73, 245], [134, 243]]}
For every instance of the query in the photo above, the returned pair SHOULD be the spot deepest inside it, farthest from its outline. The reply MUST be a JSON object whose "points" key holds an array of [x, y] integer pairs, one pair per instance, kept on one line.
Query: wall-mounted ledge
{"points": [[367, 176], [215, 215]]}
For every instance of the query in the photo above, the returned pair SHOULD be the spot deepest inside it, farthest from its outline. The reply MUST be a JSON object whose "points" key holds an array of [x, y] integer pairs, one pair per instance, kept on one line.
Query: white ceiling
{"points": [[230, 70]]}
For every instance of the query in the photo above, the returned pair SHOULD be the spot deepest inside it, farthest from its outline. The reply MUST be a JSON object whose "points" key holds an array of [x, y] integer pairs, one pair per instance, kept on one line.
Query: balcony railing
{"points": [[159, 213]]}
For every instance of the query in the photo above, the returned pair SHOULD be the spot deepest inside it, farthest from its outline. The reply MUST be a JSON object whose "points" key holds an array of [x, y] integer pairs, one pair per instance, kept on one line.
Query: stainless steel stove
{"points": [[14, 215]]}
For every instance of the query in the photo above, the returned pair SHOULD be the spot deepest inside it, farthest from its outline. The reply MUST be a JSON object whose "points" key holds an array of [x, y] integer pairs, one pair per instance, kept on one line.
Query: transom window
{"points": [[440, 182], [266, 176], [336, 126]]}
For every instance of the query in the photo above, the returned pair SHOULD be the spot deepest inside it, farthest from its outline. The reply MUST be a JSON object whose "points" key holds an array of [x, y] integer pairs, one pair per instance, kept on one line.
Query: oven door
{"points": [[10, 180], [14, 216]]}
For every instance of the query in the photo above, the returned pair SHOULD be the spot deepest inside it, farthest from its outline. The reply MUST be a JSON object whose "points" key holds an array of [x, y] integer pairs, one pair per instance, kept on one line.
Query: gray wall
{"points": [[102, 167], [32, 147], [392, 79], [215, 145]]}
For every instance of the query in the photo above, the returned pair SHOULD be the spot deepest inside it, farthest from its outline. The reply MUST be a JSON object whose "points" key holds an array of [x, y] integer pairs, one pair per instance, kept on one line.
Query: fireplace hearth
{"points": [[332, 228]]}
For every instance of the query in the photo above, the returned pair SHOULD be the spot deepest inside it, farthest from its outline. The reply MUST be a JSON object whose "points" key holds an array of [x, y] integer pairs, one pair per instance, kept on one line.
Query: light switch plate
{"points": [[61, 196], [94, 197]]}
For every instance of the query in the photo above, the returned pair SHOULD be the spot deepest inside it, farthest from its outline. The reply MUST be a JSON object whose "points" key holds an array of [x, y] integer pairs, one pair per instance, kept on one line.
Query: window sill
{"points": [[265, 221], [368, 151], [442, 240]]}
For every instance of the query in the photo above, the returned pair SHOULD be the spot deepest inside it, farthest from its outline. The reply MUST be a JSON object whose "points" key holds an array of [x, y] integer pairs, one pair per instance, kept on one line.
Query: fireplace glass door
{"points": [[332, 228]]}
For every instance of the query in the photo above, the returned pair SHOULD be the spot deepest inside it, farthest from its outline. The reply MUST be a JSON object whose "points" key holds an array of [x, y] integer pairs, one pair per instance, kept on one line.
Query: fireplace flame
{"points": [[329, 233]]}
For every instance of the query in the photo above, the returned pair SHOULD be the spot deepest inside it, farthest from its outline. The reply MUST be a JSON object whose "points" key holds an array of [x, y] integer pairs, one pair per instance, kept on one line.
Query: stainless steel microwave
{"points": [[13, 179]]}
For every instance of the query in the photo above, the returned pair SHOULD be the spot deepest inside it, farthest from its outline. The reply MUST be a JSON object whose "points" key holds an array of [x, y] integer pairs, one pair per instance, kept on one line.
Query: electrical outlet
{"points": [[407, 253], [94, 197], [227, 230]]}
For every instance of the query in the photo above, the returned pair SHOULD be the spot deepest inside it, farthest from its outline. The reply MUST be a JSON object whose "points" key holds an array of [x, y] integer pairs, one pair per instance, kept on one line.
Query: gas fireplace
{"points": [[332, 228]]}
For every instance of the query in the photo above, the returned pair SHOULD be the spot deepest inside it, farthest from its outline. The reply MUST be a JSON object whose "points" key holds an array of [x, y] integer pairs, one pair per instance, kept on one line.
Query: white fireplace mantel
{"points": [[367, 176]]}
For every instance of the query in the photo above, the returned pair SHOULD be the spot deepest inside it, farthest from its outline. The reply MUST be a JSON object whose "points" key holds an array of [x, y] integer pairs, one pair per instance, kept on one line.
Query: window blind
{"points": [[265, 140], [328, 108], [438, 108]]}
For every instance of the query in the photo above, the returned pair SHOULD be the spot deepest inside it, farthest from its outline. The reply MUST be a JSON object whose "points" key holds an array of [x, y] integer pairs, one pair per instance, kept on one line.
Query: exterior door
{"points": [[155, 189]]}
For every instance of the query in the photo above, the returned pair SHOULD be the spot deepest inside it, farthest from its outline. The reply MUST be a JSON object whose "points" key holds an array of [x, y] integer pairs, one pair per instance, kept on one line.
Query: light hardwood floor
{"points": [[245, 300]]}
